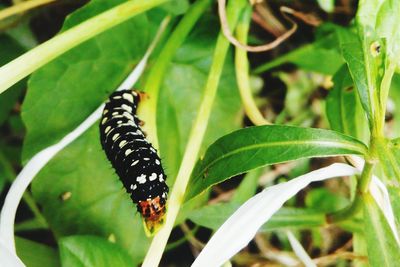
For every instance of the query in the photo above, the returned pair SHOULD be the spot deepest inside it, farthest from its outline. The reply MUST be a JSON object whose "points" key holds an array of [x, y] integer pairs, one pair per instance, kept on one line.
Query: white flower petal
{"points": [[299, 250], [241, 227], [381, 196], [8, 258]]}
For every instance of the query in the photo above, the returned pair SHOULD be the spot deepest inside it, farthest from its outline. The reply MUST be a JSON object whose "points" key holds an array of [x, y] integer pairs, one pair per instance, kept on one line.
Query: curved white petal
{"points": [[25, 177], [241, 227], [8, 258], [299, 250], [37, 162], [381, 196]]}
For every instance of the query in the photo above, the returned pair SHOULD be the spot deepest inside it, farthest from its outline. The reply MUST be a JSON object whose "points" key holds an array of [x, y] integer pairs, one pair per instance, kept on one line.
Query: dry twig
{"points": [[261, 48]]}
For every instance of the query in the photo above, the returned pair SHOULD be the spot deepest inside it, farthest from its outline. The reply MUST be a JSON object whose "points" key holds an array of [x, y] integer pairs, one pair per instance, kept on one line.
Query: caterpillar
{"points": [[134, 159]]}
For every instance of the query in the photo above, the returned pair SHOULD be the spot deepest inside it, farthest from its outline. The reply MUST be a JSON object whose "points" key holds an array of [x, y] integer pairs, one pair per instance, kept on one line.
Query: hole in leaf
{"points": [[375, 48]]}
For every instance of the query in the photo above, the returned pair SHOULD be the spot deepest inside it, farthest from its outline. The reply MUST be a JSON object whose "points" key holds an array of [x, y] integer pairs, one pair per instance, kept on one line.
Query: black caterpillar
{"points": [[133, 157]]}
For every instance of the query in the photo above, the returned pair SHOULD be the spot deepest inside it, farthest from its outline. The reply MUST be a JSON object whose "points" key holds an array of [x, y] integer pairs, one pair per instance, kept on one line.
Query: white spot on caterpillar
{"points": [[128, 115], [117, 97], [128, 97], [133, 186], [141, 179], [104, 120], [122, 143], [105, 111], [135, 162], [153, 176], [161, 177], [146, 159], [126, 107], [115, 113], [128, 151], [164, 195], [108, 128], [157, 162], [119, 122], [115, 136]]}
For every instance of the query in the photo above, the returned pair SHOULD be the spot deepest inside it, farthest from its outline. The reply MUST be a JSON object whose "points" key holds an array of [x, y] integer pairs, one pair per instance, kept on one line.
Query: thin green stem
{"points": [[190, 156], [384, 93], [22, 7], [182, 240], [366, 176], [32, 224], [362, 189], [242, 72], [44, 53], [30, 202], [149, 111]]}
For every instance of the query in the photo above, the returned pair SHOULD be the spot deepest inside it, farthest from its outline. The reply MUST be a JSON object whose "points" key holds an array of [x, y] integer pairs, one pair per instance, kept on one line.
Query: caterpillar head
{"points": [[153, 212]]}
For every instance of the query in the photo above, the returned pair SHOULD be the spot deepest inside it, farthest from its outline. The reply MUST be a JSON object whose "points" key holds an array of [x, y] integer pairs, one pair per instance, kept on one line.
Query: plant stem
{"points": [[242, 71], [21, 7], [362, 189], [49, 50], [190, 156], [149, 111]]}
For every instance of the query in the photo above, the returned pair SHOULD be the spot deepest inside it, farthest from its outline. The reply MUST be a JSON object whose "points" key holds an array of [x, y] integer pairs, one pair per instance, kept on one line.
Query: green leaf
{"points": [[309, 57], [389, 155], [299, 88], [366, 57], [388, 158], [388, 26], [23, 34], [30, 225], [214, 216], [64, 92], [81, 194], [9, 49], [178, 103], [176, 7], [90, 251], [343, 107], [34, 254], [394, 95], [367, 12], [248, 186], [323, 200], [382, 247], [258, 146]]}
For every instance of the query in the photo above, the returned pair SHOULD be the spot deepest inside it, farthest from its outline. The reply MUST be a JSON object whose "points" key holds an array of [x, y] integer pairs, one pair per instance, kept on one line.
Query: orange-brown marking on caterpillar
{"points": [[153, 212]]}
